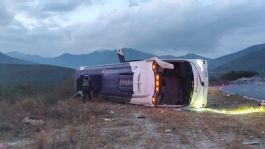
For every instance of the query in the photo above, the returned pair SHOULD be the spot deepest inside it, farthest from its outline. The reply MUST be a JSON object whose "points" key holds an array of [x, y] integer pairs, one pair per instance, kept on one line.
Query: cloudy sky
{"points": [[208, 27]]}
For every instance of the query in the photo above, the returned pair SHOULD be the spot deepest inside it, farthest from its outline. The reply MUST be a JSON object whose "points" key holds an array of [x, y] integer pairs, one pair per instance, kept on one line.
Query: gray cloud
{"points": [[173, 27], [62, 5], [133, 3], [5, 17], [199, 29]]}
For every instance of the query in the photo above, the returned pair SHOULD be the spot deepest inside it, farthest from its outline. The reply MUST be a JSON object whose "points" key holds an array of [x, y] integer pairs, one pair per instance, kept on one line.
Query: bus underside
{"points": [[176, 84]]}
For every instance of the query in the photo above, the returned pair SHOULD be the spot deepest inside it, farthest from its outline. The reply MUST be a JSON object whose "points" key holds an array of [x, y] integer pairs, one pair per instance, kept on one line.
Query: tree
{"points": [[234, 75]]}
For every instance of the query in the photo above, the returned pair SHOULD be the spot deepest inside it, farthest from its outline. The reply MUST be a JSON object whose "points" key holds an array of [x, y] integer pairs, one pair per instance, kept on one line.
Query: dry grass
{"points": [[69, 124], [103, 124], [218, 99], [212, 129]]}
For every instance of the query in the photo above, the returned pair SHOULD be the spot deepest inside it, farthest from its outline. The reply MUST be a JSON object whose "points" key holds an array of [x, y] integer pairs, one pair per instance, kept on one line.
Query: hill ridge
{"points": [[5, 59]]}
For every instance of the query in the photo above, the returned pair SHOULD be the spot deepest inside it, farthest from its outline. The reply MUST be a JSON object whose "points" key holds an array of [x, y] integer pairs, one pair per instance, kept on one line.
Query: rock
{"points": [[140, 117], [5, 127], [108, 120], [29, 121], [168, 130], [250, 142], [112, 112]]}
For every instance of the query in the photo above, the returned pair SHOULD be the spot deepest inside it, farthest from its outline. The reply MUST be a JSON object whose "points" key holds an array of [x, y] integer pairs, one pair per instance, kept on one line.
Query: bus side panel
{"points": [[117, 83], [110, 82]]}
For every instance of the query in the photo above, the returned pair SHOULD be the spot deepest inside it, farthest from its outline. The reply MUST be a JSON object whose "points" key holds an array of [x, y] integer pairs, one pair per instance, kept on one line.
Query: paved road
{"points": [[256, 90]]}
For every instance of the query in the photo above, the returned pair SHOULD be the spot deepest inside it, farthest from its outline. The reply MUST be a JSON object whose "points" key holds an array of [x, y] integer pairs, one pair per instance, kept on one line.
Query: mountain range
{"points": [[251, 58], [39, 75], [95, 58], [5, 59]]}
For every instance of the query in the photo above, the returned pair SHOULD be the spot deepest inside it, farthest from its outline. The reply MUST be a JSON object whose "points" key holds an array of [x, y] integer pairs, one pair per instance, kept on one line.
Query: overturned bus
{"points": [[151, 82]]}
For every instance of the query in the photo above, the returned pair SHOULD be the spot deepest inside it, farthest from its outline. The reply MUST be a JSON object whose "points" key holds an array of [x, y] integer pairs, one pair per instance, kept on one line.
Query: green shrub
{"points": [[234, 75], [15, 93], [49, 95], [62, 91]]}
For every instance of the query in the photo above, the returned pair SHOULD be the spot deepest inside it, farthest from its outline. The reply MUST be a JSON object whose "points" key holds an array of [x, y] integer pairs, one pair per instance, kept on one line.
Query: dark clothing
{"points": [[86, 93], [86, 89], [96, 84], [95, 93]]}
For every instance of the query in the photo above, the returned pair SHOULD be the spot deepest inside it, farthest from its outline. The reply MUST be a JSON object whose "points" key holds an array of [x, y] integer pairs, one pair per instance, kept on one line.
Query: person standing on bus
{"points": [[86, 88]]}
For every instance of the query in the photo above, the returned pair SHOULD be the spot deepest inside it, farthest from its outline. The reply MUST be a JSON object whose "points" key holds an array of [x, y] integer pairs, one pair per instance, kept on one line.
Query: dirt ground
{"points": [[104, 124]]}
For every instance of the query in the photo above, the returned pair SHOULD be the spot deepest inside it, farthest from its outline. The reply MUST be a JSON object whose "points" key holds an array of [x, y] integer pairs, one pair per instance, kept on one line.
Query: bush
{"points": [[12, 94], [49, 95], [62, 91], [215, 79], [5, 127], [234, 75]]}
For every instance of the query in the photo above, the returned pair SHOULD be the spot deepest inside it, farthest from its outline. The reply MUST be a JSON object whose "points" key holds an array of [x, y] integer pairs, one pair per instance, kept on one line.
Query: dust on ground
{"points": [[104, 124]]}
